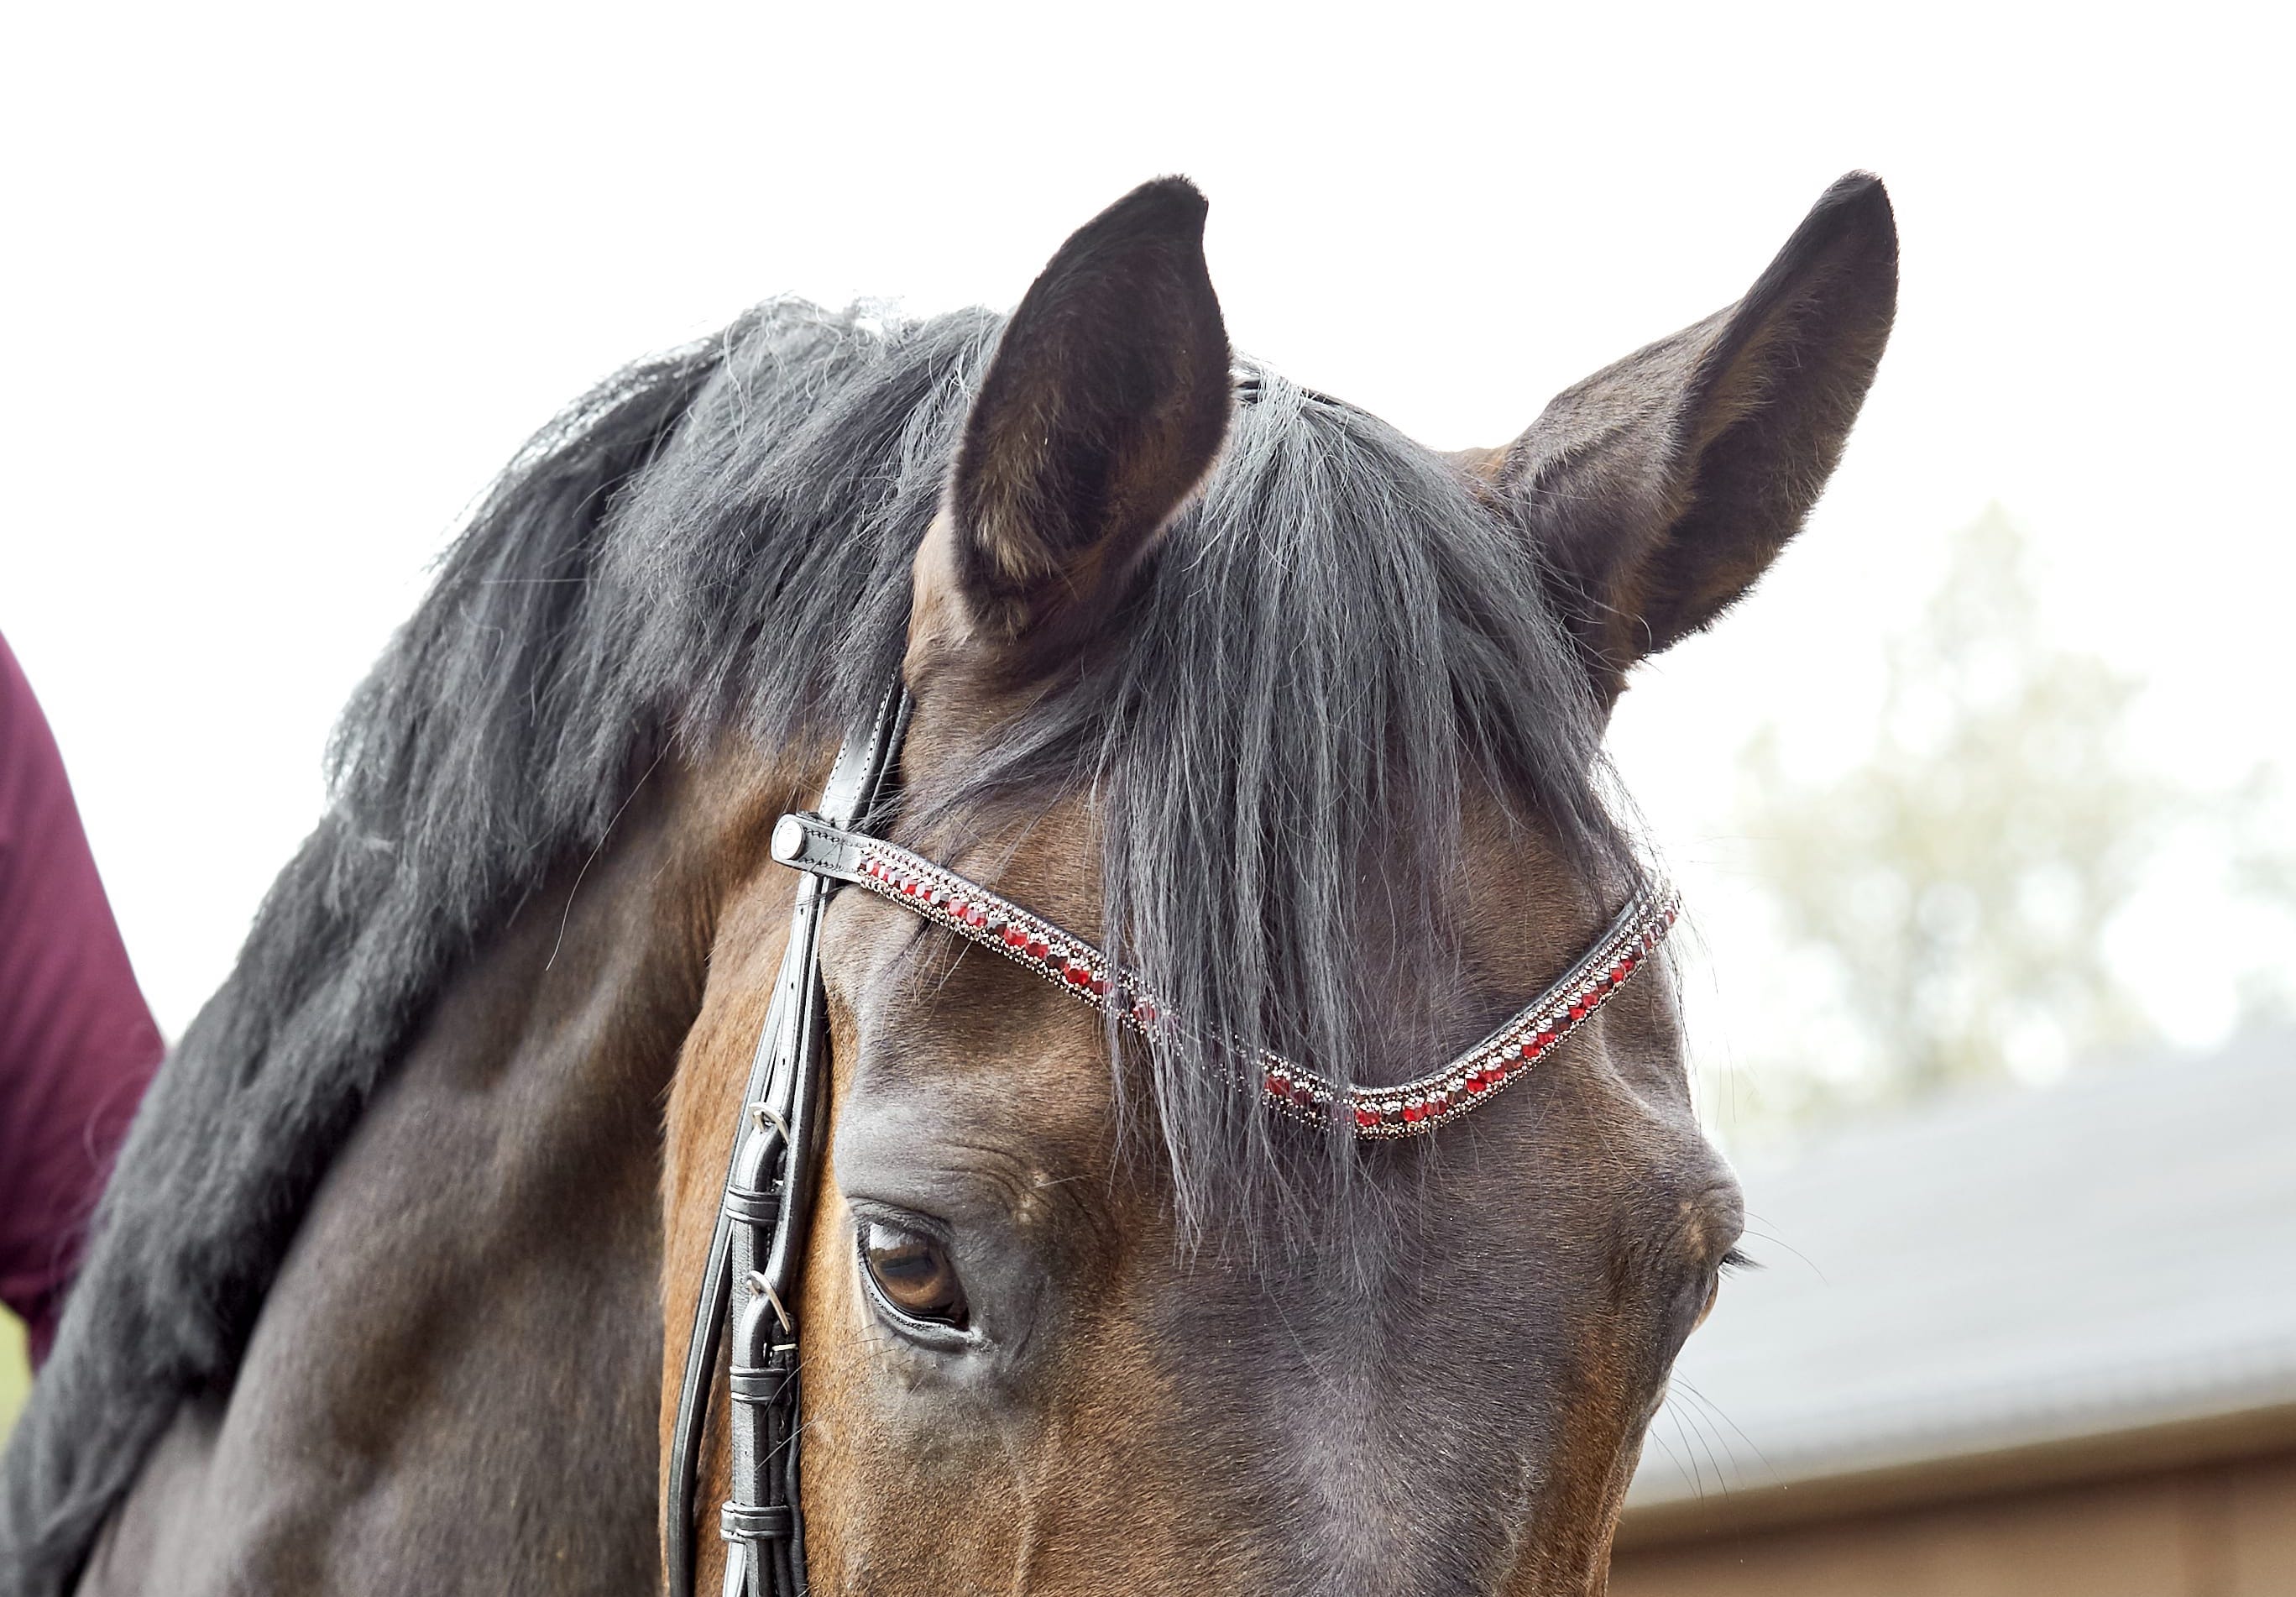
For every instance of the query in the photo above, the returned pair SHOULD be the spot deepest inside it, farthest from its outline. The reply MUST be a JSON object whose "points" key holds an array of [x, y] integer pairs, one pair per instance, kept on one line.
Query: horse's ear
{"points": [[1102, 409], [1659, 489]]}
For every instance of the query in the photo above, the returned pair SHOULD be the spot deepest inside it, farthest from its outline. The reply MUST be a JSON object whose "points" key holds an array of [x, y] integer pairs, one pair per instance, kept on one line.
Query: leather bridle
{"points": [[748, 1288]]}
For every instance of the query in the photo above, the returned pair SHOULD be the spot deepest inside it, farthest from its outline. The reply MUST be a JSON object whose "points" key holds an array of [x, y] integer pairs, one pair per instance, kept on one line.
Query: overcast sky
{"points": [[285, 286]]}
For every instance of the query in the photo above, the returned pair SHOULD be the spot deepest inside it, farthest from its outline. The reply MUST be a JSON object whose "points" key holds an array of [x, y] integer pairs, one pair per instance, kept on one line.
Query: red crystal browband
{"points": [[971, 912]]}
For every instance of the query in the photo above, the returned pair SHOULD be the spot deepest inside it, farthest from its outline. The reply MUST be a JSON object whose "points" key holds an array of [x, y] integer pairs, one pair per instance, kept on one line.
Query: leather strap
{"points": [[759, 1238], [818, 845]]}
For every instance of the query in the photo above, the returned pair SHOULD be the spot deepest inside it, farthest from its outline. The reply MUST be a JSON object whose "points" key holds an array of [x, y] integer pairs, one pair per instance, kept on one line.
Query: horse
{"points": [[1297, 719]]}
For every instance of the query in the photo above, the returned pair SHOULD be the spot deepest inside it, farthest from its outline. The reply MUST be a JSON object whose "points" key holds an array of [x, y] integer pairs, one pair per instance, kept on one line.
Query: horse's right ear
{"points": [[1103, 407]]}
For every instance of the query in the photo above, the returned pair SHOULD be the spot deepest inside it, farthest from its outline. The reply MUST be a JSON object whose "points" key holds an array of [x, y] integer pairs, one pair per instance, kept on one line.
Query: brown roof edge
{"points": [[2216, 1438]]}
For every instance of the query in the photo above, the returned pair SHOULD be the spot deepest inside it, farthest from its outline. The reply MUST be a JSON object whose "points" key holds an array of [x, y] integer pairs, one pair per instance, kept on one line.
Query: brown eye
{"points": [[914, 1273]]}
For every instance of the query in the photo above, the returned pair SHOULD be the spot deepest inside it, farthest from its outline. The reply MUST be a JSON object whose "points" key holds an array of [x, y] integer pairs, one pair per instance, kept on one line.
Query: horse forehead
{"points": [[1028, 1050], [1017, 1062], [975, 1063]]}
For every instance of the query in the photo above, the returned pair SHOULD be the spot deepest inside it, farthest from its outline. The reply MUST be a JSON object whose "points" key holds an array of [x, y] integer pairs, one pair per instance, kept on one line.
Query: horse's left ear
{"points": [[1659, 489], [1102, 408]]}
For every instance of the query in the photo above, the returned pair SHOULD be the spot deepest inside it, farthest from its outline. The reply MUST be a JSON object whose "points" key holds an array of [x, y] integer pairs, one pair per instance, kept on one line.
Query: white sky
{"points": [[284, 286]]}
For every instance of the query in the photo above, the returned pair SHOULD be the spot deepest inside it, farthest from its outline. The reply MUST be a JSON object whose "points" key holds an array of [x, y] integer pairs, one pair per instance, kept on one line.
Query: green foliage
{"points": [[15, 1371]]}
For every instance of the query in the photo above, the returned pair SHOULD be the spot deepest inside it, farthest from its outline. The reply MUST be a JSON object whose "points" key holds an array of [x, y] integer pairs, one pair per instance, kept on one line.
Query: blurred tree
{"points": [[15, 1371], [1956, 885], [2264, 872]]}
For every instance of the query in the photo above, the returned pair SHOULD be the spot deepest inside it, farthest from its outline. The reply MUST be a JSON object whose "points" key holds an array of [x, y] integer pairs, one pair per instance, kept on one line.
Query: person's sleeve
{"points": [[77, 1044]]}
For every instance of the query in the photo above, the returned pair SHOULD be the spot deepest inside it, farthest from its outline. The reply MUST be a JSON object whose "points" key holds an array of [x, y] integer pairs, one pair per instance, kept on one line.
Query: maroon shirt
{"points": [[77, 1043]]}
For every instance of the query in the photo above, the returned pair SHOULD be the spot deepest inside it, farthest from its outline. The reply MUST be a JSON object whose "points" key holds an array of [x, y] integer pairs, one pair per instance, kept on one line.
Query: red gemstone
{"points": [[1145, 1012], [1099, 985], [1366, 1117], [1279, 1083], [1578, 1011], [1038, 948], [1077, 975], [1303, 1095], [1414, 1114]]}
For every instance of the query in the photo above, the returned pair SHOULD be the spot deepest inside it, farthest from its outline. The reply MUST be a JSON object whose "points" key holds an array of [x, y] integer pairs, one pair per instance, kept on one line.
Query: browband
{"points": [[809, 843]]}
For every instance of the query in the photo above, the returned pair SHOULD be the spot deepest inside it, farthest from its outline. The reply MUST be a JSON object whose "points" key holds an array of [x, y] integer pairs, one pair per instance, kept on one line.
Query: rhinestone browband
{"points": [[971, 912]]}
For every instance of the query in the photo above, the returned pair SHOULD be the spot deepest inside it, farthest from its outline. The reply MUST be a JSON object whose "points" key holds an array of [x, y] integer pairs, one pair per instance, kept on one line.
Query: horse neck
{"points": [[465, 1332]]}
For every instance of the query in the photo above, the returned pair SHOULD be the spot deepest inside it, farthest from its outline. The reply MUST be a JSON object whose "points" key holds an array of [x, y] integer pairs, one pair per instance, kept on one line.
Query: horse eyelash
{"points": [[1736, 1261]]}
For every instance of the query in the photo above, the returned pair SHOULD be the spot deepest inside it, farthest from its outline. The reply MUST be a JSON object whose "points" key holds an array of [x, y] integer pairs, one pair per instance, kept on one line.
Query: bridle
{"points": [[765, 1214]]}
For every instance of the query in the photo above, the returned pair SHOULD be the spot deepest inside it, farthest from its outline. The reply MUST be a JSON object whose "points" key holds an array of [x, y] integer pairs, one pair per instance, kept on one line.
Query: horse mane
{"points": [[1334, 643]]}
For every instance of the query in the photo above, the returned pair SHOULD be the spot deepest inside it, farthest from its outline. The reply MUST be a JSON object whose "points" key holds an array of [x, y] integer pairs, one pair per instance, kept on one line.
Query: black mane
{"points": [[1330, 647]]}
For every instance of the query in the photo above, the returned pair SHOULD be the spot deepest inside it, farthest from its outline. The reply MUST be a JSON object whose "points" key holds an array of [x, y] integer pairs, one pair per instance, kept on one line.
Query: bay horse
{"points": [[1301, 720]]}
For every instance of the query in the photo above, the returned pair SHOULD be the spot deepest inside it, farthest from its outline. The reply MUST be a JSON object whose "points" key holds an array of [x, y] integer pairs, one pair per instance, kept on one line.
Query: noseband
{"points": [[763, 1219]]}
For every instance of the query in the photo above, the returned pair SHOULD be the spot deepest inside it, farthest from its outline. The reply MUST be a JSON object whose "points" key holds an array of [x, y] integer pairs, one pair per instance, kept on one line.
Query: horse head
{"points": [[1302, 722]]}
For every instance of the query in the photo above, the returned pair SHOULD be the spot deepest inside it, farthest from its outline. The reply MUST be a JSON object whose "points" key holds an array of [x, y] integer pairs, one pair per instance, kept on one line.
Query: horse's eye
{"points": [[914, 1272]]}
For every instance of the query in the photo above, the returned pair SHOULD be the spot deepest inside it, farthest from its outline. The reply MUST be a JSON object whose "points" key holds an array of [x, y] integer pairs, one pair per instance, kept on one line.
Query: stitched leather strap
{"points": [[737, 1523], [759, 1235]]}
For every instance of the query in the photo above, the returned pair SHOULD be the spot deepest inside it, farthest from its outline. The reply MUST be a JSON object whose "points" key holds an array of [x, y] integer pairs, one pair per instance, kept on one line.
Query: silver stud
{"points": [[789, 839]]}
